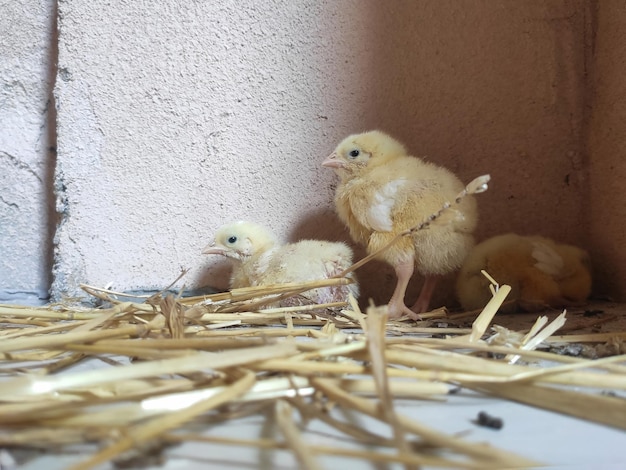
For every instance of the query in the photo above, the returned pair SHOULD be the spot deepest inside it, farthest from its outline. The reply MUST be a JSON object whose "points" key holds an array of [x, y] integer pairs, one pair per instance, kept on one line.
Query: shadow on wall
{"points": [[214, 274], [322, 224]]}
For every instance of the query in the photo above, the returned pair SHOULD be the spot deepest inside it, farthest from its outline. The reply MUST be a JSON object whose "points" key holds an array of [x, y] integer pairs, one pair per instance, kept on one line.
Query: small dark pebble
{"points": [[488, 421]]}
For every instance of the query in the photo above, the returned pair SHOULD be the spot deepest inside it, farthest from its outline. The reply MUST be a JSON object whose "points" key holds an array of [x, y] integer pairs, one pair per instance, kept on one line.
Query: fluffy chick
{"points": [[261, 260], [384, 191], [541, 273]]}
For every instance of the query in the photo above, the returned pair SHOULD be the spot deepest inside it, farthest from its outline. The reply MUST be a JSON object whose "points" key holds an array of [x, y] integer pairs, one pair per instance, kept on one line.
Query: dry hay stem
{"points": [[376, 322], [487, 455], [371, 456], [206, 363], [291, 433], [140, 433]]}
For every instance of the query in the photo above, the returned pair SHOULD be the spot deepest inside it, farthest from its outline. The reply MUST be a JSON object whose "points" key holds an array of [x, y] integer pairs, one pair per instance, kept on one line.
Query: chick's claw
{"points": [[397, 309]]}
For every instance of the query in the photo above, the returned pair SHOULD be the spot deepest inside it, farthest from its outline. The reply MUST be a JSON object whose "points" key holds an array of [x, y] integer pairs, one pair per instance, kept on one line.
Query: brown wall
{"points": [[485, 86], [606, 206]]}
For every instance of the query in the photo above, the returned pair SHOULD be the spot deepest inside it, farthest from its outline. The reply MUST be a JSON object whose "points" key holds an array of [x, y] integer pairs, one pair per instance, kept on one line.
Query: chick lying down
{"points": [[541, 273], [259, 259]]}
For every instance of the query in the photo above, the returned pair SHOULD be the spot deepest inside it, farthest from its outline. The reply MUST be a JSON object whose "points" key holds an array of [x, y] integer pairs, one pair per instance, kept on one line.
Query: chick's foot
{"points": [[396, 306]]}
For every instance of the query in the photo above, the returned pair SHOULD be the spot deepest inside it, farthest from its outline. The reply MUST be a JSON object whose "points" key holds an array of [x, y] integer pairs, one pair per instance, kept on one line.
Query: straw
{"points": [[172, 364]]}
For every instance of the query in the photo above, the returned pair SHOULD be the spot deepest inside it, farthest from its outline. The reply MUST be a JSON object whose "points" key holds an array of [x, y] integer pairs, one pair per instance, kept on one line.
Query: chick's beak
{"points": [[332, 161], [211, 249]]}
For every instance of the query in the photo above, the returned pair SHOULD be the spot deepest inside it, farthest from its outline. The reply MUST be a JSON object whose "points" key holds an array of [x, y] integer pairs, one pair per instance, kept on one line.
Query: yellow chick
{"points": [[541, 273], [261, 260], [384, 191]]}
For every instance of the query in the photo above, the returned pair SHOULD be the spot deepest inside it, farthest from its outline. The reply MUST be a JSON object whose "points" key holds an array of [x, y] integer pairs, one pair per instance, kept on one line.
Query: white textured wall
{"points": [[179, 115], [27, 51]]}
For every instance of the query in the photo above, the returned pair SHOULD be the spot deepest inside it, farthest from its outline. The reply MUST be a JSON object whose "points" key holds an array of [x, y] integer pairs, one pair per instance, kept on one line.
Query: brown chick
{"points": [[261, 260], [541, 273], [384, 191]]}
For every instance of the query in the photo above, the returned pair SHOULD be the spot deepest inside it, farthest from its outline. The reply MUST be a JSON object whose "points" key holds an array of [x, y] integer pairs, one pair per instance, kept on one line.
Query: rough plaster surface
{"points": [[177, 116], [26, 159], [607, 147]]}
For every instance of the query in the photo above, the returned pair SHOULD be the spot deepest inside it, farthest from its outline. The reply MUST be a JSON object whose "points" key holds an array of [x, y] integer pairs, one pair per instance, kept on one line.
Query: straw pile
{"points": [[173, 362], [193, 356]]}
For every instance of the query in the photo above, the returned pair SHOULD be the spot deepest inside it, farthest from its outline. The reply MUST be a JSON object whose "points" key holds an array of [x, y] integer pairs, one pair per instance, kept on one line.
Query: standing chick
{"points": [[541, 273], [384, 191], [261, 260]]}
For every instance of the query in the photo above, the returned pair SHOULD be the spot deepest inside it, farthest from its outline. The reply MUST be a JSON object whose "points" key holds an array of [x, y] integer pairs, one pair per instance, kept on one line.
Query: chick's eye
{"points": [[232, 239], [354, 153]]}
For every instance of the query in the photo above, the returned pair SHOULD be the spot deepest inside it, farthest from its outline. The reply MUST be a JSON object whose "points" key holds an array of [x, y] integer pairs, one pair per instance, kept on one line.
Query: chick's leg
{"points": [[422, 302], [396, 306]]}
